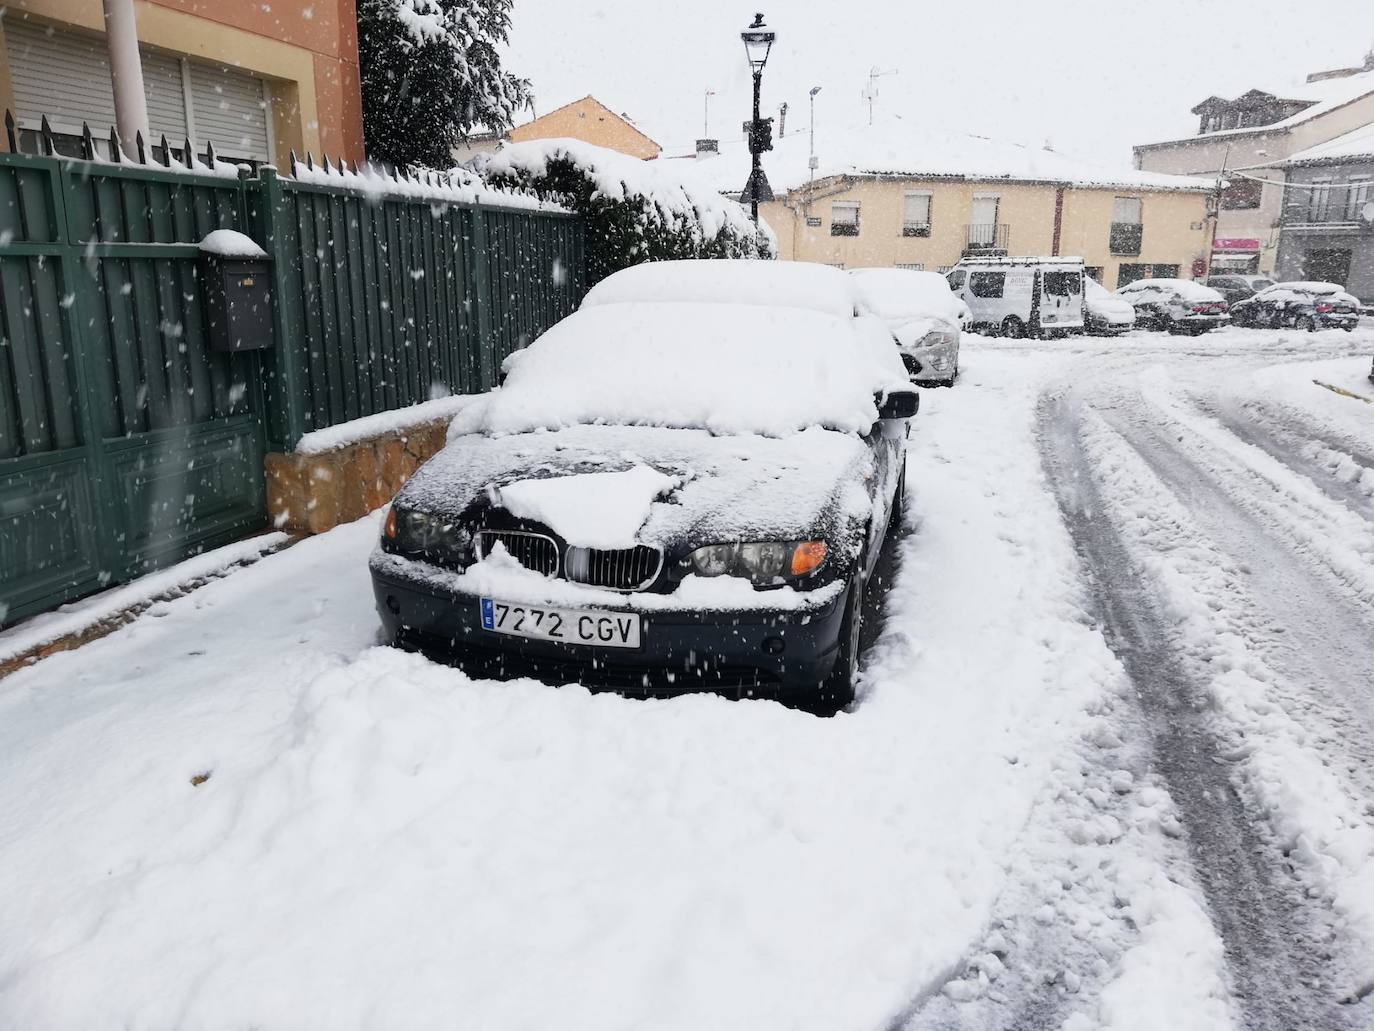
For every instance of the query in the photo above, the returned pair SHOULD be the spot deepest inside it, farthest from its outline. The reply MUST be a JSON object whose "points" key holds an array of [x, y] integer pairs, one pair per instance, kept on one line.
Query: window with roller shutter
{"points": [[66, 76]]}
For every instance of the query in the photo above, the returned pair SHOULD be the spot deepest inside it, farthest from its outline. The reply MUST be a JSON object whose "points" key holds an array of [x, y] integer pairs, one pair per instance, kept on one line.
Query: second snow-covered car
{"points": [[665, 495], [1309, 306], [1177, 305], [1104, 313], [924, 316]]}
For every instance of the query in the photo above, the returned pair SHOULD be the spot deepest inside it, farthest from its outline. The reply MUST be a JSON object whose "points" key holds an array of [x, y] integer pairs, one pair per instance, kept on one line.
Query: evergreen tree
{"points": [[431, 73]]}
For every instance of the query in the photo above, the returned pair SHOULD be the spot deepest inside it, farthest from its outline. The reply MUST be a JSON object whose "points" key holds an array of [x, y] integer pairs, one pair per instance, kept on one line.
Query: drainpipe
{"points": [[126, 74], [1058, 219]]}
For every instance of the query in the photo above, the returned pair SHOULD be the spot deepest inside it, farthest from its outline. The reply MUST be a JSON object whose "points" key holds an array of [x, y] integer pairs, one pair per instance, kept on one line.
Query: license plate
{"points": [[572, 626]]}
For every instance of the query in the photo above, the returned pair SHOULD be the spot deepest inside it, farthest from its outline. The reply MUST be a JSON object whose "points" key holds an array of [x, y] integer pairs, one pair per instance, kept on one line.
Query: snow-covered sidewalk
{"points": [[382, 842], [238, 811]]}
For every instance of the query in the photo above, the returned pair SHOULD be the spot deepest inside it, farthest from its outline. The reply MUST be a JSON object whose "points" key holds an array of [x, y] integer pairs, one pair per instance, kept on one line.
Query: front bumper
{"points": [[747, 653]]}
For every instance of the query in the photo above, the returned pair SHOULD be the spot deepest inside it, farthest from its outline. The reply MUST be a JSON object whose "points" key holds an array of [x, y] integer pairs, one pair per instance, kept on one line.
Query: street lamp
{"points": [[758, 41]]}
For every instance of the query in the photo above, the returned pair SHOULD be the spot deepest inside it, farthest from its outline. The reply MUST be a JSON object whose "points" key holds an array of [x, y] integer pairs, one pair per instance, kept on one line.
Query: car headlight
{"points": [[938, 338], [436, 539], [765, 563]]}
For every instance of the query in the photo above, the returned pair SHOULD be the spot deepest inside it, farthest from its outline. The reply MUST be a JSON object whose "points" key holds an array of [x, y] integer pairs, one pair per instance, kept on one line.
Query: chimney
{"points": [[705, 148]]}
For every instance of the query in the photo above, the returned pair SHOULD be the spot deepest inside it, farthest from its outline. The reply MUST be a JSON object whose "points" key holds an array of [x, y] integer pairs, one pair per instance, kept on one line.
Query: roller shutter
{"points": [[66, 76], [229, 108]]}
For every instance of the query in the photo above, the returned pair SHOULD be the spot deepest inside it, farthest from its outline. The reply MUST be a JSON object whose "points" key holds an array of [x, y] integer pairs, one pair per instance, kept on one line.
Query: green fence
{"points": [[127, 442]]}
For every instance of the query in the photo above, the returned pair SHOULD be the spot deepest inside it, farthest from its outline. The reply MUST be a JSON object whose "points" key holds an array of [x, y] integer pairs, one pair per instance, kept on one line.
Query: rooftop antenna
{"points": [[782, 119], [870, 92], [706, 112]]}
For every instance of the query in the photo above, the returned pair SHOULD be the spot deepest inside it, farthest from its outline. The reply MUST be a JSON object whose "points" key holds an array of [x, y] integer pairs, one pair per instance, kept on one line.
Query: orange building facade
{"points": [[257, 79]]}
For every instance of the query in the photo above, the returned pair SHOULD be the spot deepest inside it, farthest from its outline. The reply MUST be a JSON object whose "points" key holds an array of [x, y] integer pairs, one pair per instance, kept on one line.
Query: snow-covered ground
{"points": [[1109, 767]]}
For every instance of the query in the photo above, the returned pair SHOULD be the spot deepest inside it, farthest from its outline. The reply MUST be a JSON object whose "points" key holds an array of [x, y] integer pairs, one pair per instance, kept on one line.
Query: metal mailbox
{"points": [[238, 302]]}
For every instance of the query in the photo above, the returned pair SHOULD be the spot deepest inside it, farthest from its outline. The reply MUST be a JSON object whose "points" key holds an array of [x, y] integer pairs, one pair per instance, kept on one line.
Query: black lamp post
{"points": [[758, 40]]}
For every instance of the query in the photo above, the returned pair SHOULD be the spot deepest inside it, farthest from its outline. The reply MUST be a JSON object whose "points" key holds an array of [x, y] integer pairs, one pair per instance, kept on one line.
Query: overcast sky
{"points": [[1091, 77]]}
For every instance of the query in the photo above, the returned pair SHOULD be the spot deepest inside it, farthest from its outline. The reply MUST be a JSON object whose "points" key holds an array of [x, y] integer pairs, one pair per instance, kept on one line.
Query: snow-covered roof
{"points": [[1358, 143], [1325, 95], [897, 146]]}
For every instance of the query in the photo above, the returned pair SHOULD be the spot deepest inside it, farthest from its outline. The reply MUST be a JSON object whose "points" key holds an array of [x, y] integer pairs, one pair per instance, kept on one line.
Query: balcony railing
{"points": [[915, 228], [1126, 237], [987, 236]]}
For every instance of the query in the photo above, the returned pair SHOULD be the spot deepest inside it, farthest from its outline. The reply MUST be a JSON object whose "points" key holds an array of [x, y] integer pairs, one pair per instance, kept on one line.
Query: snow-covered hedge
{"points": [[634, 210]]}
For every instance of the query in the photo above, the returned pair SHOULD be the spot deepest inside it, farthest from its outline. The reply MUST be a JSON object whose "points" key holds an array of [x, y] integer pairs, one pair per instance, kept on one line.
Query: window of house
{"points": [[1241, 194], [1319, 201], [916, 214], [1361, 193], [844, 218], [1126, 231], [986, 284]]}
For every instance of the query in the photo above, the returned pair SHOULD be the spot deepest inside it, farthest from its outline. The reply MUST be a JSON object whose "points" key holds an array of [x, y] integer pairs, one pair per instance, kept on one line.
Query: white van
{"points": [[1018, 297]]}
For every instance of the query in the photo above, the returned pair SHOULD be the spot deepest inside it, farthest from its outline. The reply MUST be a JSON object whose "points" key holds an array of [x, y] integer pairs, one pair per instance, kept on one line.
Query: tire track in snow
{"points": [[1279, 979], [1343, 472]]}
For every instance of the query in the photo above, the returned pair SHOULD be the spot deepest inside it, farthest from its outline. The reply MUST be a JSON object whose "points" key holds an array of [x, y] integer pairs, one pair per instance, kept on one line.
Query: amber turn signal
{"points": [[807, 557], [389, 527]]}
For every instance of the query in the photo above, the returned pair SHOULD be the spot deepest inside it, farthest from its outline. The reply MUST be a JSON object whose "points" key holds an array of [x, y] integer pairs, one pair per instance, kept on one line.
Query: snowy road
{"points": [[1111, 766]]}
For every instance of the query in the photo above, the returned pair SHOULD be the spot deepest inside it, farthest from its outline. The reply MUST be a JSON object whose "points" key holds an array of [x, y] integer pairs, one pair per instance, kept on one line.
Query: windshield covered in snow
{"points": [[724, 367]]}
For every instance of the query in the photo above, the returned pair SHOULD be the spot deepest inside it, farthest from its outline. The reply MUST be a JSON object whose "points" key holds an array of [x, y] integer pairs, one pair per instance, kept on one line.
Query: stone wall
{"points": [[311, 493]]}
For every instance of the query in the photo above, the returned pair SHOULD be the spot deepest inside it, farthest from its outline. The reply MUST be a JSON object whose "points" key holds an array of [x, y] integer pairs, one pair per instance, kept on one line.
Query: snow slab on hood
{"points": [[590, 510]]}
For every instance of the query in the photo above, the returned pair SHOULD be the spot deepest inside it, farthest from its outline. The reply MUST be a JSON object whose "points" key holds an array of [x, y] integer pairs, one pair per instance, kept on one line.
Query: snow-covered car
{"points": [[1309, 306], [665, 495], [1105, 314], [1237, 287], [1176, 305], [924, 316]]}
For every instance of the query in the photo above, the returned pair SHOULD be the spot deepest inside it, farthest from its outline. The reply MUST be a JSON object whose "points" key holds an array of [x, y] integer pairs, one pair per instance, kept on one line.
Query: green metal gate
{"points": [[125, 442]]}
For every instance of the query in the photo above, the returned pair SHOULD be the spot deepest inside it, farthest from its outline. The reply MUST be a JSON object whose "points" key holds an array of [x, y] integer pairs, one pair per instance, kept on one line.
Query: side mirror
{"points": [[899, 404], [912, 364]]}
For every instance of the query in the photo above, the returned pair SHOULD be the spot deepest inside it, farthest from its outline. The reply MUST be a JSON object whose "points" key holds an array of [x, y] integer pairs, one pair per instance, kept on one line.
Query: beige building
{"points": [[593, 122], [896, 194], [1255, 134], [257, 80]]}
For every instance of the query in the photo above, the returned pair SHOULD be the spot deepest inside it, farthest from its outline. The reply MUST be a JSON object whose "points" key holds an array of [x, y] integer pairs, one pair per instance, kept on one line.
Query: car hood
{"points": [[716, 488]]}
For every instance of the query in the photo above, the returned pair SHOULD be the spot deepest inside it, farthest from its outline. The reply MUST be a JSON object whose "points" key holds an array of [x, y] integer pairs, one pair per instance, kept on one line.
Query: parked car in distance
{"points": [[1105, 314], [665, 495], [1237, 287], [1017, 297], [1176, 305], [924, 316], [1309, 306]]}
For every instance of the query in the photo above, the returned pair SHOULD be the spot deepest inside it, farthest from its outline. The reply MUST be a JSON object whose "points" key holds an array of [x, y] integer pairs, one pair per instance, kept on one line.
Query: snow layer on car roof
{"points": [[893, 293], [727, 368], [779, 284], [1186, 288]]}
